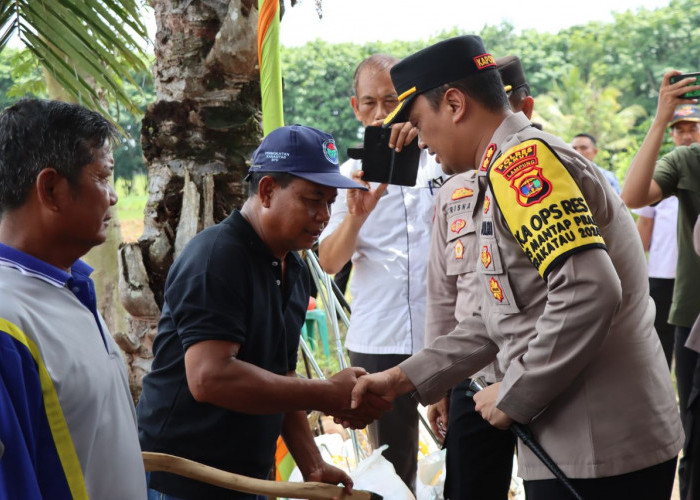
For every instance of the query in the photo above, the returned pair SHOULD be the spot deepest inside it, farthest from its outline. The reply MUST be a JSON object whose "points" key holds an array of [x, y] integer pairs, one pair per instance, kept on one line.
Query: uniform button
{"points": [[274, 263], [278, 282], [76, 289]]}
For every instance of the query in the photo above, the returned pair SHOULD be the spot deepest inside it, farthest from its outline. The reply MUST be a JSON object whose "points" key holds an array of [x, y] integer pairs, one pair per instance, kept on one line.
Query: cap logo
{"points": [[276, 155], [484, 61], [330, 151], [684, 111]]}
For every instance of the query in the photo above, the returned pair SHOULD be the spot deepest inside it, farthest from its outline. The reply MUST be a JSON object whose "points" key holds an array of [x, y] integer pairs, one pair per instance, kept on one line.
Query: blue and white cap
{"points": [[304, 152]]}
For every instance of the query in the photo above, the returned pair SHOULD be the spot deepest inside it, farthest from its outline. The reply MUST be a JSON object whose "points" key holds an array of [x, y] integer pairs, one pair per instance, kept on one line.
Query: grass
{"points": [[133, 195]]}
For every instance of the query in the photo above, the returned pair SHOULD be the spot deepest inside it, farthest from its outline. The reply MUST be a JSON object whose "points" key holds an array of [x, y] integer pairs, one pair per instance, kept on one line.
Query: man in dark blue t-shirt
{"points": [[223, 385]]}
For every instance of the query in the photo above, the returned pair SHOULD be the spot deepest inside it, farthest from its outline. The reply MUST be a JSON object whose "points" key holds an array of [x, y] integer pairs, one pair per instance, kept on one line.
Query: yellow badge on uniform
{"points": [[462, 192], [542, 204], [496, 289], [486, 257], [486, 160], [459, 250], [458, 225]]}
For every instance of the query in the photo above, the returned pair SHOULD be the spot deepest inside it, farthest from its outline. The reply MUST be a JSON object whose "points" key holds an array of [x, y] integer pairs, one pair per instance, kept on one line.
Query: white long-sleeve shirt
{"points": [[388, 286]]}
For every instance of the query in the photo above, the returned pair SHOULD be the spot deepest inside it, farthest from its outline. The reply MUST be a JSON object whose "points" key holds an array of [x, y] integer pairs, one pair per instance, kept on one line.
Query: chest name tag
{"points": [[542, 204]]}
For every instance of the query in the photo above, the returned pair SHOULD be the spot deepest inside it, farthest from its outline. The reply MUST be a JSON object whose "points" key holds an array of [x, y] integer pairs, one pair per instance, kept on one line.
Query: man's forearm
{"points": [[243, 387], [300, 442], [335, 250], [645, 227], [637, 189]]}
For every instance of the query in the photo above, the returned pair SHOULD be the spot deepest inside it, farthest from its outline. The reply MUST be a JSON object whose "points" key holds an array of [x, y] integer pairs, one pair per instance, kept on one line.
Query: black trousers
{"points": [[398, 427], [479, 461], [661, 290], [688, 382], [652, 483]]}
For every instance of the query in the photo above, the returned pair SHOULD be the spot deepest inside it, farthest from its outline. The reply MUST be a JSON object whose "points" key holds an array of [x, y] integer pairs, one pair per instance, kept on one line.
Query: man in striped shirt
{"points": [[67, 421]]}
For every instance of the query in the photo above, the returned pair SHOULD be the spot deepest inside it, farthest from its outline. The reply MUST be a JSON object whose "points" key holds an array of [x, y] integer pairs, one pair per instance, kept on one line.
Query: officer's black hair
{"points": [[36, 134], [485, 87], [282, 178], [517, 96]]}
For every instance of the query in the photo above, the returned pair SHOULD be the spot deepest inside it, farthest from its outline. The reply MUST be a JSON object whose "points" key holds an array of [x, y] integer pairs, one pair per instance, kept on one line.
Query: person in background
{"points": [[657, 227], [693, 341], [650, 180], [386, 233], [586, 146], [67, 419]]}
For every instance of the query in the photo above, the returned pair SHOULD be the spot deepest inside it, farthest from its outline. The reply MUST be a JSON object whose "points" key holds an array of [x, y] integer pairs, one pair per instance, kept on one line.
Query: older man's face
{"points": [[87, 214], [375, 98]]}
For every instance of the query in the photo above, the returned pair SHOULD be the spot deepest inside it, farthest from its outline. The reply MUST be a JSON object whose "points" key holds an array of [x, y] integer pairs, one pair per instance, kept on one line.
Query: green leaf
{"points": [[77, 40]]}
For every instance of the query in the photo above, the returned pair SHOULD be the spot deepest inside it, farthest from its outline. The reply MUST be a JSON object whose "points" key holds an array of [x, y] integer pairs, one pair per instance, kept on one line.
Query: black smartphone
{"points": [[693, 94], [381, 163]]}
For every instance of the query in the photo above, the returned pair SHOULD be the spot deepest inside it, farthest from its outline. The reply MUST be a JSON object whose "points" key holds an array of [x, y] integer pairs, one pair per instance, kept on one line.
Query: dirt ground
{"points": [[131, 230]]}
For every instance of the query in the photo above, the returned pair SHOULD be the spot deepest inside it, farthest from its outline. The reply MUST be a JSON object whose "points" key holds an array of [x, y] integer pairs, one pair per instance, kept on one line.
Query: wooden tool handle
{"points": [[229, 480]]}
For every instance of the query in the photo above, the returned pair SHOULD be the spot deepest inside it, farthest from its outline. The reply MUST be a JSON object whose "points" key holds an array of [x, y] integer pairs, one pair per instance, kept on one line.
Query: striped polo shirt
{"points": [[67, 420]]}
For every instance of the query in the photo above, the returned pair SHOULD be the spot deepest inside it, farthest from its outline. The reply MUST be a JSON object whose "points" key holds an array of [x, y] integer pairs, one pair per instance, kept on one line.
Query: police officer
{"points": [[561, 303], [479, 460]]}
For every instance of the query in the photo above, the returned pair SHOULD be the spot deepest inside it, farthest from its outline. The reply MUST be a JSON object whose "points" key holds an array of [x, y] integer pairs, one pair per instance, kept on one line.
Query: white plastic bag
{"points": [[376, 474], [431, 476]]}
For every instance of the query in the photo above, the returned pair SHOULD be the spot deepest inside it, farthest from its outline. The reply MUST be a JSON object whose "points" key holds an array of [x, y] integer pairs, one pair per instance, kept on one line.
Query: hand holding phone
{"points": [[691, 94], [381, 163]]}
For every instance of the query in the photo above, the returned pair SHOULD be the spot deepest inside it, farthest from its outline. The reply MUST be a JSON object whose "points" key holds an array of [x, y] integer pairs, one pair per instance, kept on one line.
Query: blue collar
{"points": [[77, 281], [27, 264]]}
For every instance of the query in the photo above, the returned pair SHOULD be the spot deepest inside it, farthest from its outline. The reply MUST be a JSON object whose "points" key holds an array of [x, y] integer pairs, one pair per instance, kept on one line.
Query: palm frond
{"points": [[82, 43]]}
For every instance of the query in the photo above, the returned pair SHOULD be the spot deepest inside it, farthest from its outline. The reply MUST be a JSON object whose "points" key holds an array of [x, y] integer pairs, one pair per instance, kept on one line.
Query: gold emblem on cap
{"points": [[403, 96], [391, 115], [407, 93]]}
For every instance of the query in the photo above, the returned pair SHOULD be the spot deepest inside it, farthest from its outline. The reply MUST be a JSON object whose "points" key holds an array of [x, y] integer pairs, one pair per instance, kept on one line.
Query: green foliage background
{"points": [[22, 76], [599, 78]]}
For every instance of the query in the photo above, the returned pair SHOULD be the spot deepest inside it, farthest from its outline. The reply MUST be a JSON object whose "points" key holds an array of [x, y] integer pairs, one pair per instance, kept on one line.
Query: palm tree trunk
{"points": [[196, 139]]}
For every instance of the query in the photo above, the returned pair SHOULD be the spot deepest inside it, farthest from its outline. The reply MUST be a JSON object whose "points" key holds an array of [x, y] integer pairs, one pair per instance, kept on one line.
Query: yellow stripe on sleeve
{"points": [[54, 413]]}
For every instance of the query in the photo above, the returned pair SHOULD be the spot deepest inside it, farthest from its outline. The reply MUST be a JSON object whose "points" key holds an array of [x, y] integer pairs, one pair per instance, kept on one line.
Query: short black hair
{"points": [[583, 134], [282, 178], [485, 87], [36, 134], [517, 95]]}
